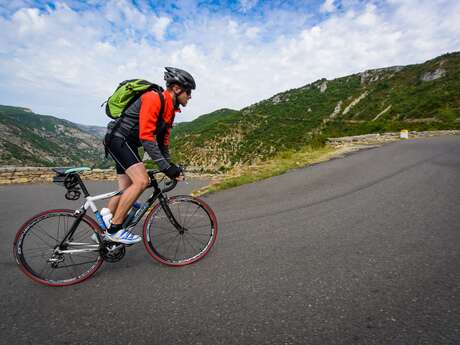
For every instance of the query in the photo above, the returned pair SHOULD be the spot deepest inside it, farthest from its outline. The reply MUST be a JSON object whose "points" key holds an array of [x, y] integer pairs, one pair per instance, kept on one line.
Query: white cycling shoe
{"points": [[123, 236]]}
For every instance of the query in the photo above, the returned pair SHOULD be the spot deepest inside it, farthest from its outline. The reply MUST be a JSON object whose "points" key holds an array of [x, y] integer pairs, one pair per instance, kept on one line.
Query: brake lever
{"points": [[182, 168]]}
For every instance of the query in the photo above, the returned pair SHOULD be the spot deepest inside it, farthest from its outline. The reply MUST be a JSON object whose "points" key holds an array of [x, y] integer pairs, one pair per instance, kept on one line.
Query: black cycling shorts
{"points": [[124, 152]]}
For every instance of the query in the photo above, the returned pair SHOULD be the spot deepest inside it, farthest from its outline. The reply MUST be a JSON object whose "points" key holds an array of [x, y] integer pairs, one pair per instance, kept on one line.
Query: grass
{"points": [[280, 164]]}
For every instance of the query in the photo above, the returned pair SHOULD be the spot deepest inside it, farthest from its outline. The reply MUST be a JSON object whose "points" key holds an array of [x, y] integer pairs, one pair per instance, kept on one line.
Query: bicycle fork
{"points": [[169, 214]]}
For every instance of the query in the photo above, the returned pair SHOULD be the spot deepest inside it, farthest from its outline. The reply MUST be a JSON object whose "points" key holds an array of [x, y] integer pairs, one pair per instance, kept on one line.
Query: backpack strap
{"points": [[137, 96]]}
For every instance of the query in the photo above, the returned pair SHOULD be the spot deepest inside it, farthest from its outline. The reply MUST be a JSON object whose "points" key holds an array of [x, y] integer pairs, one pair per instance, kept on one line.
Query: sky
{"points": [[65, 58]]}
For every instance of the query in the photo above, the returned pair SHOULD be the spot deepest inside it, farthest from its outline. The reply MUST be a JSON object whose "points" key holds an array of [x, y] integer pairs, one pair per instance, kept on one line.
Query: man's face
{"points": [[183, 95]]}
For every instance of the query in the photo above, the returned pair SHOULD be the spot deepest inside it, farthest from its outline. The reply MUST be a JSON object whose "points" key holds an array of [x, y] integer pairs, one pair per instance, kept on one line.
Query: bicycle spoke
{"points": [[73, 265], [171, 228], [186, 251], [166, 233], [170, 232], [179, 217], [167, 251], [196, 224], [176, 213], [67, 267], [45, 233], [199, 234], [81, 233], [66, 219], [59, 225], [46, 266], [184, 213], [196, 209], [41, 256], [44, 255], [197, 240], [170, 239], [196, 251], [38, 248], [80, 237], [41, 239], [177, 248]]}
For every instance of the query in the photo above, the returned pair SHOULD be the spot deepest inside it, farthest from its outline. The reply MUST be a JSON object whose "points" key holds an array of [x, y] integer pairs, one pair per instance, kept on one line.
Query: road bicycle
{"points": [[63, 247]]}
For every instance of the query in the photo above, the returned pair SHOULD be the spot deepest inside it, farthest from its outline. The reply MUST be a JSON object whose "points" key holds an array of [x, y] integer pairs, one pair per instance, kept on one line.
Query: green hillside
{"points": [[417, 97], [29, 139]]}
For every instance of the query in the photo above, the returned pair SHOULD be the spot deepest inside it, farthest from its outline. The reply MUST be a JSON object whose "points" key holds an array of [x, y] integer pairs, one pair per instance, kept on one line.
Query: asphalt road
{"points": [[359, 250]]}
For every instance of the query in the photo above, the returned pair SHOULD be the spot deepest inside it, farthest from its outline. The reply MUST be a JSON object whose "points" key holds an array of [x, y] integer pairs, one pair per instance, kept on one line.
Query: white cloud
{"points": [[252, 32], [66, 62], [247, 5], [29, 20], [328, 6], [160, 26]]}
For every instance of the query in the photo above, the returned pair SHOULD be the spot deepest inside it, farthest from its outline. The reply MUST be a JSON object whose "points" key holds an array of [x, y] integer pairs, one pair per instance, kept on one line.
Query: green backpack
{"points": [[126, 94]]}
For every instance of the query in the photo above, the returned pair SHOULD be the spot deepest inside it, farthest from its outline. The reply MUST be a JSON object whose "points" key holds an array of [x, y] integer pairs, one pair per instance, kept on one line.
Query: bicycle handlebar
{"points": [[170, 185]]}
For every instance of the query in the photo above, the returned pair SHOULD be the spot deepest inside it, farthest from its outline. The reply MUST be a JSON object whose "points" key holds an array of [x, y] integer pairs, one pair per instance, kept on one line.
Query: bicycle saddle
{"points": [[65, 171]]}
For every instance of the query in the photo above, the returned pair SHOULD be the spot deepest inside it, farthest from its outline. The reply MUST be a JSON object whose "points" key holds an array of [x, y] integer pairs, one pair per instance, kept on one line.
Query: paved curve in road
{"points": [[359, 250]]}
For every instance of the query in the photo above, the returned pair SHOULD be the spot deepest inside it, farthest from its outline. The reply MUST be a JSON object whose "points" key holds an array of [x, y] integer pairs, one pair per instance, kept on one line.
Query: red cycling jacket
{"points": [[148, 116]]}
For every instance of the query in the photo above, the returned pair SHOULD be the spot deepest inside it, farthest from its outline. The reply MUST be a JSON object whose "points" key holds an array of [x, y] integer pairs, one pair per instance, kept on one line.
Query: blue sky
{"points": [[64, 58]]}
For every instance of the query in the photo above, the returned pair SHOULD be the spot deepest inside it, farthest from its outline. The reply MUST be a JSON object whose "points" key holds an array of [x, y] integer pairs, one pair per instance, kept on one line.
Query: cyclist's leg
{"points": [[128, 161], [123, 157], [123, 183], [140, 181], [126, 156]]}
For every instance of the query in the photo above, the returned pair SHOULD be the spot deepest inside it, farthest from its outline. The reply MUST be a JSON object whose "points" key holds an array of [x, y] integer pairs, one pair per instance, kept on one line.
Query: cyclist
{"points": [[141, 125]]}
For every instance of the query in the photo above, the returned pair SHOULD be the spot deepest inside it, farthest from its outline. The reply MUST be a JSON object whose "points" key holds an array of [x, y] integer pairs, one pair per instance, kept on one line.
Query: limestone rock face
{"points": [[323, 86], [438, 73], [276, 99], [373, 75]]}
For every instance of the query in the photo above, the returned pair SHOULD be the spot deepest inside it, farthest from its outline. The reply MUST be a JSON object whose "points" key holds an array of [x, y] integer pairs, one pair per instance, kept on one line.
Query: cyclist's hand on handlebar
{"points": [[181, 176], [173, 172]]}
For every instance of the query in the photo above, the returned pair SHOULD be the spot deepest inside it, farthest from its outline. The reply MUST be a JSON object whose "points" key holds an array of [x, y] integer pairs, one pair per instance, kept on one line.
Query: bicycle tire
{"points": [[158, 225], [38, 227]]}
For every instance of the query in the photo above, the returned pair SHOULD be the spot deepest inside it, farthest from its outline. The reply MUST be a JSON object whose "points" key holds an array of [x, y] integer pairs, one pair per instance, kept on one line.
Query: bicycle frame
{"points": [[90, 204]]}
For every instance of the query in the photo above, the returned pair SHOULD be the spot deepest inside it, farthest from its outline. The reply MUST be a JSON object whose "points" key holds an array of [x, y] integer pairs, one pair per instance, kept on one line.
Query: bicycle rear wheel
{"points": [[184, 246], [37, 253]]}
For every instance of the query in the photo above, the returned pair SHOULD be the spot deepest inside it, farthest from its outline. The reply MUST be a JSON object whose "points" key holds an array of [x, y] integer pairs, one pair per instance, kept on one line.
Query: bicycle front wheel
{"points": [[39, 255], [187, 244]]}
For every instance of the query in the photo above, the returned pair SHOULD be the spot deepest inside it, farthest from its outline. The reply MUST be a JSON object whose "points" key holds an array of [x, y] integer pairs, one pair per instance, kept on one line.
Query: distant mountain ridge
{"points": [[29, 139], [417, 97], [98, 131]]}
